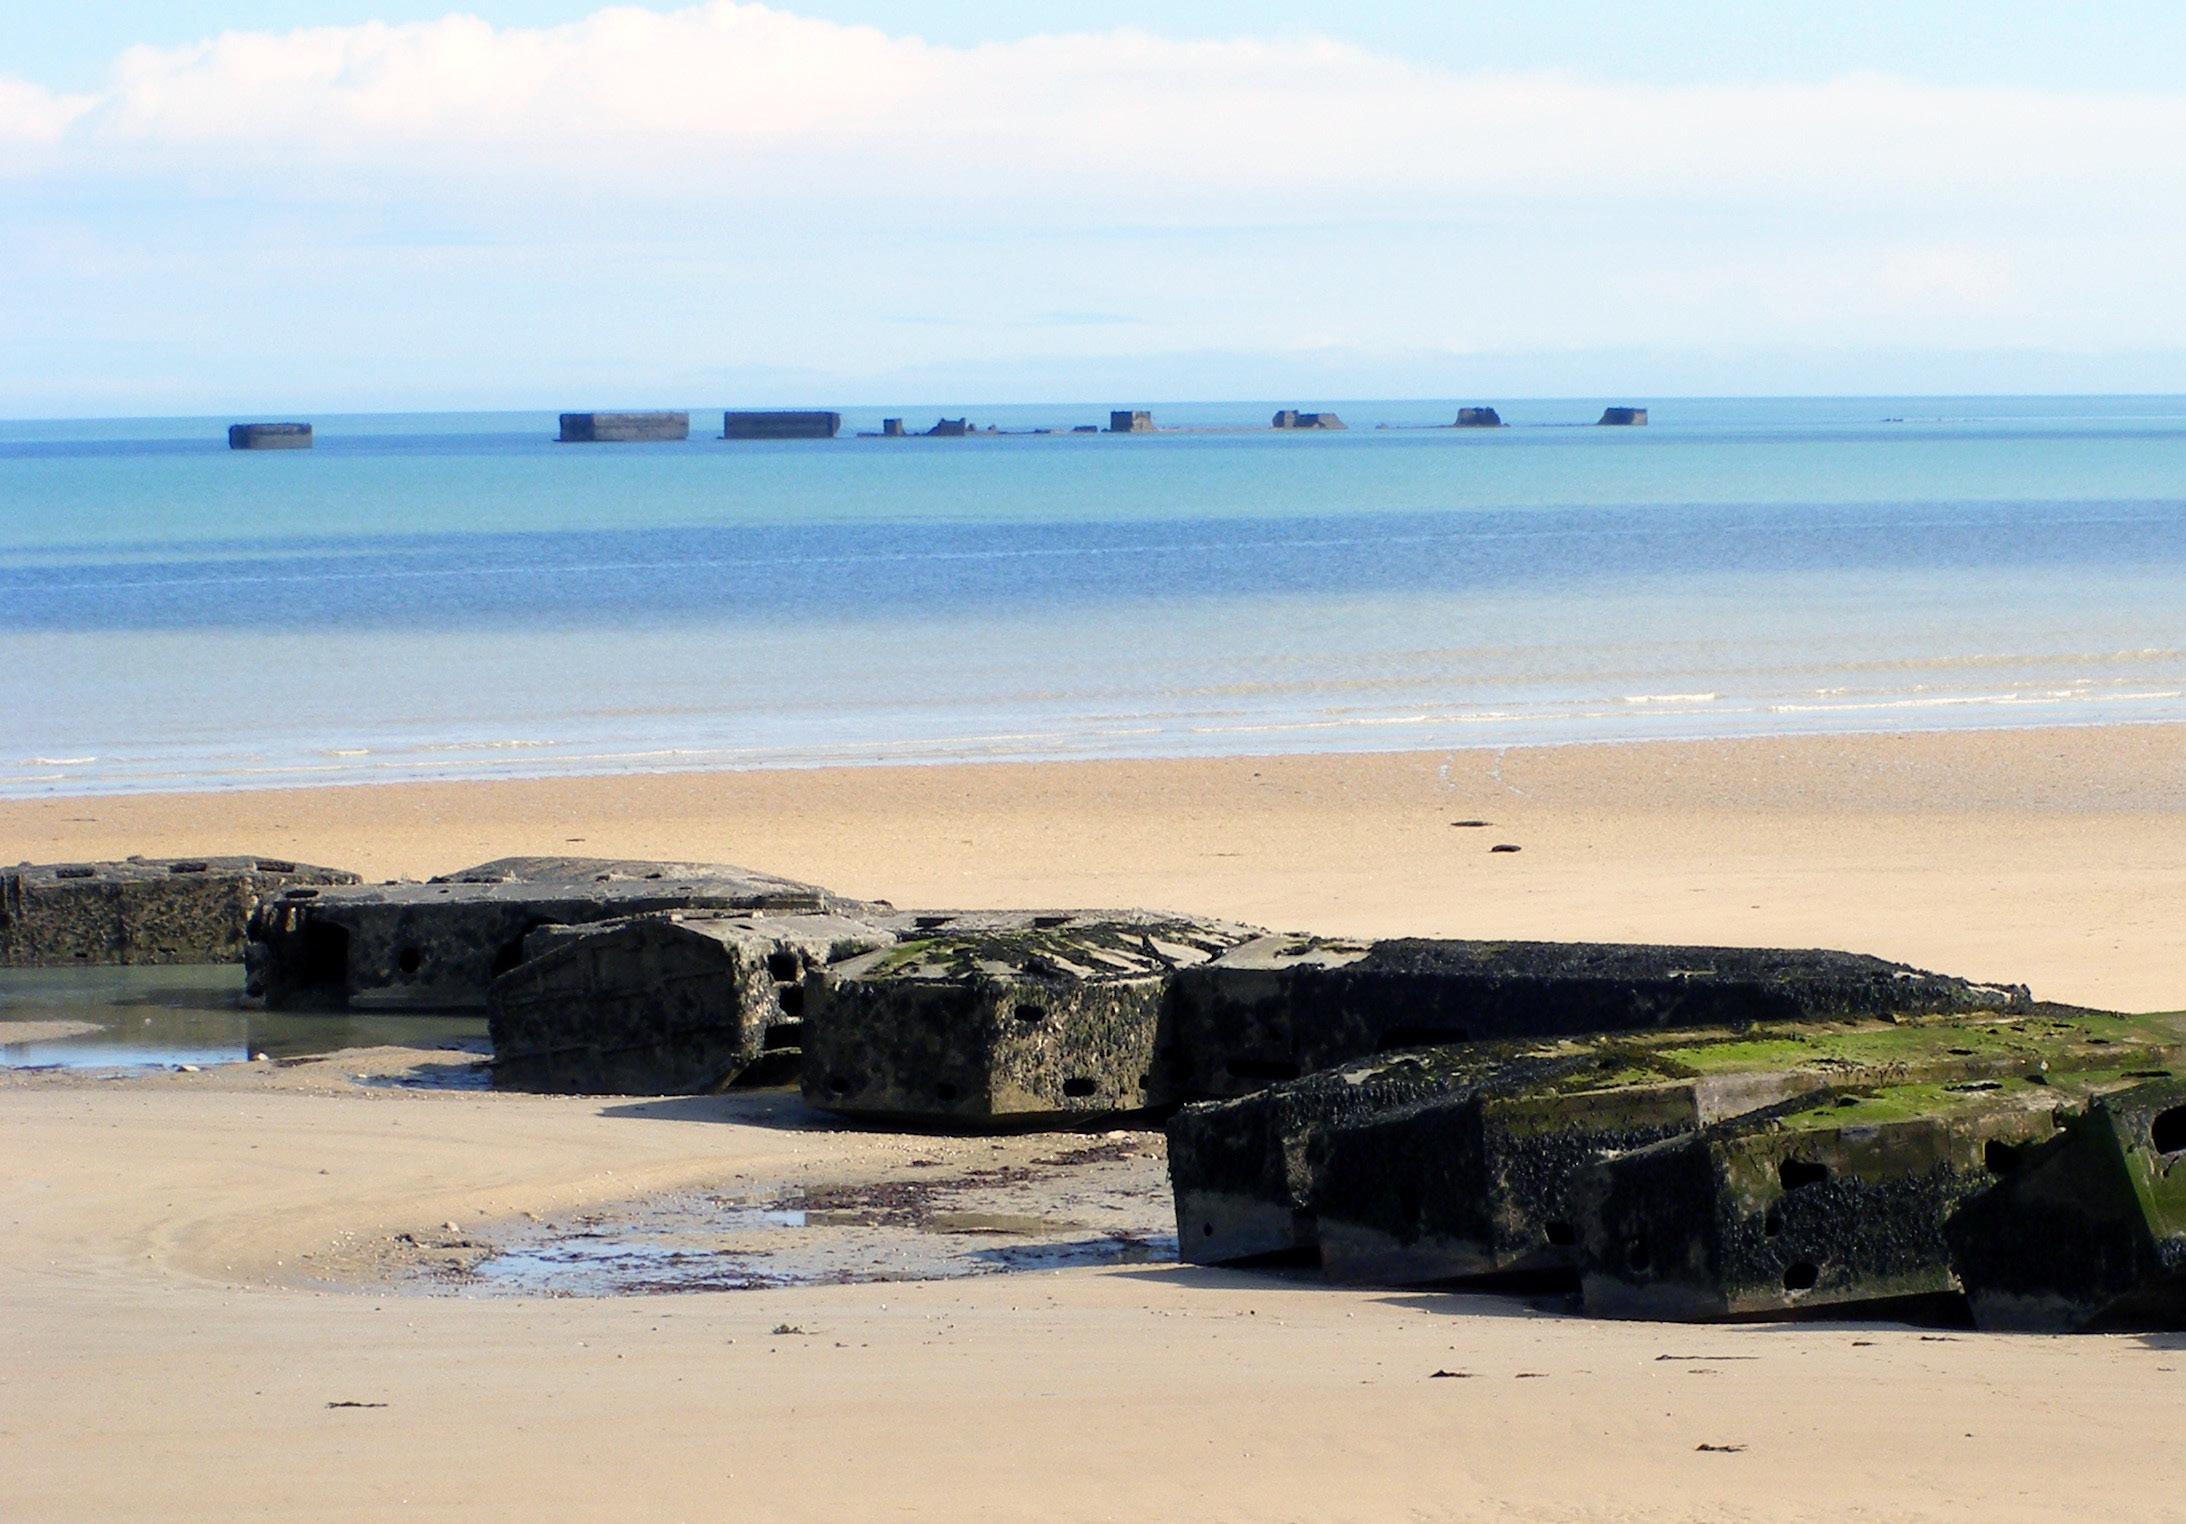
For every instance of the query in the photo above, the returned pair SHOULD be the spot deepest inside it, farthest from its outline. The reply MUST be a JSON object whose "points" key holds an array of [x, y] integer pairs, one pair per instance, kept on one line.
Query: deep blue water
{"points": [[457, 595]]}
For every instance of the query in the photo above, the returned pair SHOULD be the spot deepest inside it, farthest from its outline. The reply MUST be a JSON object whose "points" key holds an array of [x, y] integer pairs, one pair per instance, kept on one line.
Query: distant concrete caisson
{"points": [[780, 424], [624, 428], [269, 436]]}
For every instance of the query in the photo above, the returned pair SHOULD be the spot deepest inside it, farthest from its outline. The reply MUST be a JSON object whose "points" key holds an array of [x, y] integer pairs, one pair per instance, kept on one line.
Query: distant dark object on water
{"points": [[269, 436], [624, 428], [1291, 418], [1623, 417], [950, 428], [891, 428], [1479, 418], [1130, 421], [782, 425]]}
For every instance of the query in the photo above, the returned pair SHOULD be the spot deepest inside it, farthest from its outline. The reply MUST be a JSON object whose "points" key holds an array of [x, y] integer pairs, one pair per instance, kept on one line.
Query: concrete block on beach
{"points": [[624, 428], [681, 1002], [1242, 1170], [1478, 418], [2088, 1231], [1481, 1182], [1835, 1200], [144, 910], [269, 436], [1291, 418], [1623, 417], [440, 944], [1456, 1161], [998, 1017], [1130, 421], [780, 424], [1280, 1007]]}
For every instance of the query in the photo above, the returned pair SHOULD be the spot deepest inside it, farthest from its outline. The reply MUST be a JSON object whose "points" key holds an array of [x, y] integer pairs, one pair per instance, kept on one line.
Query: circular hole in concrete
{"points": [[1562, 1235], [409, 960], [2167, 1130], [1078, 1087], [1802, 1275], [2000, 1158], [1637, 1257], [947, 1093]]}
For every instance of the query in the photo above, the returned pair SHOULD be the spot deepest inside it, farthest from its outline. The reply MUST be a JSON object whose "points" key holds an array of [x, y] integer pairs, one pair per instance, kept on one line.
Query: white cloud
{"points": [[644, 194], [738, 94]]}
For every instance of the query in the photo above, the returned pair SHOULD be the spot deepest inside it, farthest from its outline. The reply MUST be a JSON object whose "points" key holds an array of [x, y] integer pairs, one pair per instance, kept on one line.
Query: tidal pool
{"points": [[166, 1017]]}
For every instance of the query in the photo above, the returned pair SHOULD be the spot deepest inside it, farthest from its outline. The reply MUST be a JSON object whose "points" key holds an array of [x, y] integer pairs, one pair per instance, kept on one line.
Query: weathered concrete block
{"points": [[624, 428], [676, 1003], [1447, 1162], [1281, 1007], [1623, 417], [1242, 1170], [438, 945], [1291, 418], [269, 436], [1130, 421], [145, 910], [2089, 1231], [1478, 418], [950, 428], [1479, 1182], [781, 424], [1003, 1016], [1834, 1200]]}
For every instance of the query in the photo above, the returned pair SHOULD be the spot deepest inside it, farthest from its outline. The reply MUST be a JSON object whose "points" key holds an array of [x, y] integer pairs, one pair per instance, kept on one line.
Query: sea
{"points": [[449, 596]]}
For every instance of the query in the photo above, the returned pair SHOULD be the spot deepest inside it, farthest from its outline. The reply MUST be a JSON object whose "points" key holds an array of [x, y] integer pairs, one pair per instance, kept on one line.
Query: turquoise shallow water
{"points": [[458, 596]]}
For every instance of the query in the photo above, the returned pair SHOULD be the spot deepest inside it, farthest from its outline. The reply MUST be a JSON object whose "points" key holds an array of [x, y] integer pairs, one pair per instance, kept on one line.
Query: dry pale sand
{"points": [[167, 1349]]}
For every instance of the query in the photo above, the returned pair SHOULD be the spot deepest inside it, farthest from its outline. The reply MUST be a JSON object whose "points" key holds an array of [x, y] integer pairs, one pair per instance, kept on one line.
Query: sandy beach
{"points": [[209, 1288]]}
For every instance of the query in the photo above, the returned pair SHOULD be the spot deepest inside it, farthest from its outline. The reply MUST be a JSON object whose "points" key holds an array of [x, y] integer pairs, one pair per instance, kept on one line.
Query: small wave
{"points": [[57, 761], [1671, 698]]}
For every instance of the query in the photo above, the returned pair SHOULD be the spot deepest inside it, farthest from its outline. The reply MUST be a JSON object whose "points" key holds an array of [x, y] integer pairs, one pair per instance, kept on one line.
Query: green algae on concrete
{"points": [[1003, 1017], [1835, 1199], [439, 945], [673, 1003], [1282, 1007], [2089, 1230], [145, 910], [1466, 1169]]}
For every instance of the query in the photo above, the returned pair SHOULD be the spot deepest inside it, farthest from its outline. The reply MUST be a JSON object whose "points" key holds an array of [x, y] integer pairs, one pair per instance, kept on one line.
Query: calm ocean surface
{"points": [[452, 596]]}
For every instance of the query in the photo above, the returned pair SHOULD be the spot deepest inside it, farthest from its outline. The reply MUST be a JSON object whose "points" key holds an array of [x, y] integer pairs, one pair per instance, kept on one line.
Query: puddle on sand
{"points": [[1099, 1205], [166, 1016]]}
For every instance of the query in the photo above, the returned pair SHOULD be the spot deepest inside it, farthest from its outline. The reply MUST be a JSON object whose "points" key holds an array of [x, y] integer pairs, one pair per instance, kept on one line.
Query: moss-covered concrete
{"points": [[1463, 1165], [2089, 1230], [1279, 1008], [1835, 1199]]}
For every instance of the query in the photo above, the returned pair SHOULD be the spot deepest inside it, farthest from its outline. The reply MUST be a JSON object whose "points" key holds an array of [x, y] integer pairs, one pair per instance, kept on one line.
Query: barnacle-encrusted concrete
{"points": [[2089, 1232], [1835, 1199], [439, 944], [1004, 1016], [1479, 1181], [674, 1003], [1279, 1007], [145, 910], [1448, 1162], [1242, 1169]]}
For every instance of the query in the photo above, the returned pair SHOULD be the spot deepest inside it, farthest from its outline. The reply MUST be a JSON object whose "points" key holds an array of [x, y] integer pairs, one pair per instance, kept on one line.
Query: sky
{"points": [[387, 204]]}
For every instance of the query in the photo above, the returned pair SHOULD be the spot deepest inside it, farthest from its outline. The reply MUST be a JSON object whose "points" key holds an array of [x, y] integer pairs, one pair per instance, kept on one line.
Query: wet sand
{"points": [[219, 1289]]}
